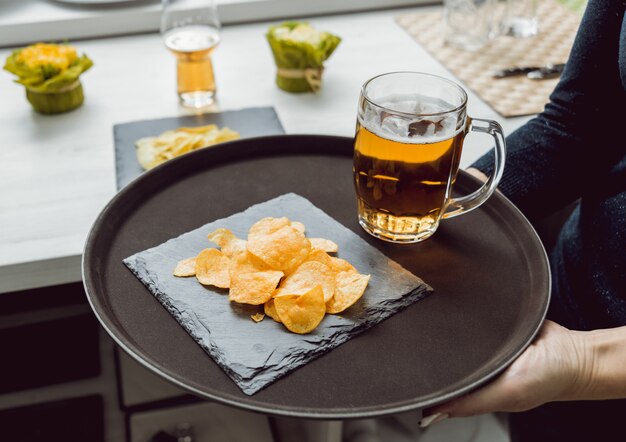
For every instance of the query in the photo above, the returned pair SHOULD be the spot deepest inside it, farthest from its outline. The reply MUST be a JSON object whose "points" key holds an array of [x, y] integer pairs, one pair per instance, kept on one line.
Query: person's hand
{"points": [[553, 368]]}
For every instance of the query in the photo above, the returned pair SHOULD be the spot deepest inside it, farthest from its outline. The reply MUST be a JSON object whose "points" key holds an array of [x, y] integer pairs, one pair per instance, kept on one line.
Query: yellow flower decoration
{"points": [[50, 73], [43, 54]]}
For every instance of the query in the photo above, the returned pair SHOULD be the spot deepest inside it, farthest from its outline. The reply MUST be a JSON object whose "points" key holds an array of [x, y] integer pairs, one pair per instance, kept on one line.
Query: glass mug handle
{"points": [[458, 206]]}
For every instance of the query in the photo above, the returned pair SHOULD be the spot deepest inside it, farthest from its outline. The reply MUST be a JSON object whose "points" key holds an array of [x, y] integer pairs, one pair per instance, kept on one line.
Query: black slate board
{"points": [[256, 354], [249, 122]]}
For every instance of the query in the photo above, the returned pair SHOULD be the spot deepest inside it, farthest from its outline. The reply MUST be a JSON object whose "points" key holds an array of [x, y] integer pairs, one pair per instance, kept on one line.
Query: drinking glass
{"points": [[522, 18], [467, 23], [407, 148], [191, 31]]}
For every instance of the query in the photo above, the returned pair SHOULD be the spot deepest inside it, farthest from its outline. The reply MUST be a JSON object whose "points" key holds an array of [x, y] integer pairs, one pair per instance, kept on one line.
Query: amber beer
{"points": [[193, 46], [402, 184]]}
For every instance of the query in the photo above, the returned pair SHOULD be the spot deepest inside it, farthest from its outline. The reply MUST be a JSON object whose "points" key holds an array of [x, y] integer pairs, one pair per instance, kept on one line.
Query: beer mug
{"points": [[407, 149]]}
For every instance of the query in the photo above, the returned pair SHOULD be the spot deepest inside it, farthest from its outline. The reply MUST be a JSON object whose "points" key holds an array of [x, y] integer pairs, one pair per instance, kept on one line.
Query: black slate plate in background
{"points": [[249, 122], [256, 354], [488, 269]]}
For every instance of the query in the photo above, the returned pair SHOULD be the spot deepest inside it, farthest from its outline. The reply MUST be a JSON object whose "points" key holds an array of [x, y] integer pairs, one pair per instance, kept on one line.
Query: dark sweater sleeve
{"points": [[557, 157]]}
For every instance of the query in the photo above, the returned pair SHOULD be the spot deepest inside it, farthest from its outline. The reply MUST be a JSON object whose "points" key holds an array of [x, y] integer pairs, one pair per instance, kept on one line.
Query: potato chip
{"points": [[301, 314], [298, 226], [267, 226], [257, 317], [198, 129], [246, 262], [152, 151], [324, 244], [228, 242], [270, 310], [253, 288], [186, 267], [251, 281], [294, 277], [350, 287], [146, 154], [341, 265], [212, 268], [319, 256], [282, 249], [307, 276]]}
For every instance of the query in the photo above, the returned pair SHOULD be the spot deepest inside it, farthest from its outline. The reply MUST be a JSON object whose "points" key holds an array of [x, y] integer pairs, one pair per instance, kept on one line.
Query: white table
{"points": [[57, 172], [25, 21]]}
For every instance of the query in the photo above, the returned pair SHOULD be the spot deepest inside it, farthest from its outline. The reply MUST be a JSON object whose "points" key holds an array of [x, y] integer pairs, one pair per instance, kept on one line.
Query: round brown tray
{"points": [[488, 268]]}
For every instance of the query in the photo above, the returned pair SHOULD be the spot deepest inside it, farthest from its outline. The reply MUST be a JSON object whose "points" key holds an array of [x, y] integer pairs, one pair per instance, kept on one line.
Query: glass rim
{"points": [[415, 114]]}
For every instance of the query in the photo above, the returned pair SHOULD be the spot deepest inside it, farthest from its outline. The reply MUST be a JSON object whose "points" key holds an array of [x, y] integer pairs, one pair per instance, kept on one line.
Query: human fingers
{"points": [[539, 375]]}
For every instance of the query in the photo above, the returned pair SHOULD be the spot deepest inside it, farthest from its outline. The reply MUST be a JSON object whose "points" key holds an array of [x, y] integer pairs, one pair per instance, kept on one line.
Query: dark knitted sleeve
{"points": [[556, 157]]}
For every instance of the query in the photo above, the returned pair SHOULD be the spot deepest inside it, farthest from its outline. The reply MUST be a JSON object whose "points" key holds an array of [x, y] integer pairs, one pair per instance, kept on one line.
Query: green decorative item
{"points": [[299, 52], [50, 73]]}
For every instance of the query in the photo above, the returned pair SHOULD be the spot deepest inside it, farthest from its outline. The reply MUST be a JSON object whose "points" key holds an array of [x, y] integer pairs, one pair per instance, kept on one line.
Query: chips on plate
{"points": [[228, 242], [257, 317], [301, 313], [306, 277], [278, 244], [152, 151], [320, 256], [350, 286], [251, 283], [324, 244], [270, 310], [292, 276], [186, 267], [212, 268]]}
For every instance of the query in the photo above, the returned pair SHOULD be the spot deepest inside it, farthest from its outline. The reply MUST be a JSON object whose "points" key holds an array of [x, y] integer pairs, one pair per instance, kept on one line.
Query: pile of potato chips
{"points": [[292, 276], [152, 151]]}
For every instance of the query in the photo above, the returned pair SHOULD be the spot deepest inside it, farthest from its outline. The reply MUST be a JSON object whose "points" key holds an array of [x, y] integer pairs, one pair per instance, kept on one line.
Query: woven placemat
{"points": [[513, 96]]}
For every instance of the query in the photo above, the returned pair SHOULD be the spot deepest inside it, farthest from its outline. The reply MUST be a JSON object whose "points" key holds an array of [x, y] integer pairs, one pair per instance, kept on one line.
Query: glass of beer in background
{"points": [[407, 148], [191, 30]]}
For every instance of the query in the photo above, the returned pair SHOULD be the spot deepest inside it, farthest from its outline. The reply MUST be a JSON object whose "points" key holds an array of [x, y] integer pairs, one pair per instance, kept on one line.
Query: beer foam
{"points": [[420, 128], [192, 38]]}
